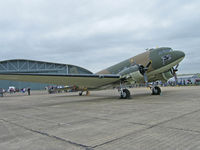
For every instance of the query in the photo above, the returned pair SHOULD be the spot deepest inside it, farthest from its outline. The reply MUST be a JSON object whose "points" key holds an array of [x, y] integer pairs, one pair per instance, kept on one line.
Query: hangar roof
{"points": [[33, 66]]}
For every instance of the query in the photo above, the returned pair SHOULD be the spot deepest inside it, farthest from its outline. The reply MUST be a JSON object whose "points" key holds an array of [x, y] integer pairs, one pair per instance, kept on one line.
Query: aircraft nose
{"points": [[179, 54]]}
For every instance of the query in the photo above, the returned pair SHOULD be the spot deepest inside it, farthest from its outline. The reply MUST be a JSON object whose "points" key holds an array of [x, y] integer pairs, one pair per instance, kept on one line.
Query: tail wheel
{"points": [[156, 90], [125, 94]]}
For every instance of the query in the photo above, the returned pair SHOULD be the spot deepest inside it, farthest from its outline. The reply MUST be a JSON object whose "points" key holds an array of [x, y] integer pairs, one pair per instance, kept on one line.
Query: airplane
{"points": [[152, 65]]}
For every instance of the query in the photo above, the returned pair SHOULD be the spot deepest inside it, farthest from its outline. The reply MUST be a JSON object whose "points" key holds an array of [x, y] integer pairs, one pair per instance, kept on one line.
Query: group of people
{"points": [[2, 91], [23, 90]]}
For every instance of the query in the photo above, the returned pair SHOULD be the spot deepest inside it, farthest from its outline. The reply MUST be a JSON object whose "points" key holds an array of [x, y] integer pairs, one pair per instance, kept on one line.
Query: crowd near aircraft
{"points": [[150, 66]]}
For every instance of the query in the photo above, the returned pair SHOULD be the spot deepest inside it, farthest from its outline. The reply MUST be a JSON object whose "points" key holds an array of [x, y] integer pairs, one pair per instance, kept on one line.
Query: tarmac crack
{"points": [[147, 128], [41, 119], [183, 115], [181, 129], [50, 136]]}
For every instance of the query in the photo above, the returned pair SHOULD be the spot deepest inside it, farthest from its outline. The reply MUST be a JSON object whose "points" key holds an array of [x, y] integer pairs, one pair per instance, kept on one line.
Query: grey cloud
{"points": [[96, 34]]}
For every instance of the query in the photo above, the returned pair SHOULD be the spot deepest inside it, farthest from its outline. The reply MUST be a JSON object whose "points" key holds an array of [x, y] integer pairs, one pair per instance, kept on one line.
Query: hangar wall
{"points": [[33, 66]]}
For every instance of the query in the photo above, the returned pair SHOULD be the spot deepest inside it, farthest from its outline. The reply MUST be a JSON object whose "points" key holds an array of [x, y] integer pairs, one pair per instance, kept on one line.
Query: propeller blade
{"points": [[174, 70], [145, 74], [147, 66], [176, 66], [176, 79], [143, 70], [146, 79]]}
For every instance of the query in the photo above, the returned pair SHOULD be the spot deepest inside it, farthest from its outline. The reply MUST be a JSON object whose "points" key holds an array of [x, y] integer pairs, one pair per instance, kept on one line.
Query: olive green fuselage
{"points": [[161, 61]]}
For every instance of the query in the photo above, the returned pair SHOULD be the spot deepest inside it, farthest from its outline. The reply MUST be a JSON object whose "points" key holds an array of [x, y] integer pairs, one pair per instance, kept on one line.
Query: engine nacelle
{"points": [[136, 76], [129, 70], [132, 73], [165, 76]]}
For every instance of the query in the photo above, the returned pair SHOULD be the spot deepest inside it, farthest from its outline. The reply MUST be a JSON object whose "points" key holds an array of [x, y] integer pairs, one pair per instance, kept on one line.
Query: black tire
{"points": [[156, 90], [126, 94], [80, 93]]}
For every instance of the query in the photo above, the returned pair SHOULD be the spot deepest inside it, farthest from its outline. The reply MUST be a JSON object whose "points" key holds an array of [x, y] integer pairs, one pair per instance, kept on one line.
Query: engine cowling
{"points": [[128, 70], [164, 77], [134, 73], [167, 75]]}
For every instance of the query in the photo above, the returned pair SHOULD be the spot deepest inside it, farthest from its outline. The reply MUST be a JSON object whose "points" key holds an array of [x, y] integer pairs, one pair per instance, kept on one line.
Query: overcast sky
{"points": [[95, 34]]}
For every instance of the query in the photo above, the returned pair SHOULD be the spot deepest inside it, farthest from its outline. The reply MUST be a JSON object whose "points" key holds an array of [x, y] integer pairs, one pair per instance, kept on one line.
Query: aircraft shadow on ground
{"points": [[100, 98]]}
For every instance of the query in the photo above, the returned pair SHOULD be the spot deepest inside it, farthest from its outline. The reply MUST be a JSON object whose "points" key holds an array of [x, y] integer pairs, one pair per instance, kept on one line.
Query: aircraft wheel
{"points": [[156, 90], [80, 93], [125, 94]]}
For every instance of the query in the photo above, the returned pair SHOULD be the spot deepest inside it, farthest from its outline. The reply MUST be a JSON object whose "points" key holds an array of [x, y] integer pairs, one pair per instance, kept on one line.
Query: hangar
{"points": [[186, 79], [33, 66]]}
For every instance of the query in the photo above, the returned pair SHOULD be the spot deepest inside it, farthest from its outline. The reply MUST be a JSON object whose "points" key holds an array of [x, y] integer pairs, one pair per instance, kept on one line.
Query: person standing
{"points": [[29, 91], [1, 92]]}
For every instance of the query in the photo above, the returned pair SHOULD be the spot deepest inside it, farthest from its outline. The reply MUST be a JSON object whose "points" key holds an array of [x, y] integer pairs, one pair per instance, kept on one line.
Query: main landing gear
{"points": [[156, 90], [124, 94], [80, 93], [87, 93]]}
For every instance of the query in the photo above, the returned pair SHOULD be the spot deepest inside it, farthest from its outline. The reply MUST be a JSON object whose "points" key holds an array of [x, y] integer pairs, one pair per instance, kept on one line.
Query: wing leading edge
{"points": [[90, 81]]}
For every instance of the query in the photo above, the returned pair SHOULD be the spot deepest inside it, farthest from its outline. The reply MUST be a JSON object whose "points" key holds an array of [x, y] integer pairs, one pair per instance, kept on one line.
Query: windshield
{"points": [[164, 51]]}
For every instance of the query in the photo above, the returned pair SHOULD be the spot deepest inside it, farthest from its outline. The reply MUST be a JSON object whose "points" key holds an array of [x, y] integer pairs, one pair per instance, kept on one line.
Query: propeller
{"points": [[143, 71], [174, 70]]}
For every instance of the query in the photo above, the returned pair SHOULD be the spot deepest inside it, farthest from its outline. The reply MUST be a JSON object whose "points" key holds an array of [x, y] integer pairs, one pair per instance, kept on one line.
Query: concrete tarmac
{"points": [[102, 121]]}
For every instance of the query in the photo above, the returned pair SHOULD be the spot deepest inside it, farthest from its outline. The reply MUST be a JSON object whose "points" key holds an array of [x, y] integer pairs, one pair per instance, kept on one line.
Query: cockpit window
{"points": [[164, 51]]}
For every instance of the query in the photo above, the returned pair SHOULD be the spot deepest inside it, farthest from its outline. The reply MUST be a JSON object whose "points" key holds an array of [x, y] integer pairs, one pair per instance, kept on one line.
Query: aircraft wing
{"points": [[90, 81]]}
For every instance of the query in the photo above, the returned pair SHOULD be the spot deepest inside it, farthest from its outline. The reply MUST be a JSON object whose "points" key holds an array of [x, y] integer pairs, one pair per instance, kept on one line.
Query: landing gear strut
{"points": [[156, 90]]}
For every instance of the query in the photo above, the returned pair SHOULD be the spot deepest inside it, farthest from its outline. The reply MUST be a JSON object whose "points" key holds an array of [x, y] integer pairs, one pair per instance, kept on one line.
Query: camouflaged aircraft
{"points": [[150, 66]]}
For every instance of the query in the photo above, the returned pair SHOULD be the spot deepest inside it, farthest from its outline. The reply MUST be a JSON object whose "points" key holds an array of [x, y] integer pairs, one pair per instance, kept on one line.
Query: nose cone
{"points": [[168, 59], [179, 55]]}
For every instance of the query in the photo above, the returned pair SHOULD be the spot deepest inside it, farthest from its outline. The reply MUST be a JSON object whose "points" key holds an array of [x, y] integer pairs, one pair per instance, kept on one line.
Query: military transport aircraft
{"points": [[150, 66]]}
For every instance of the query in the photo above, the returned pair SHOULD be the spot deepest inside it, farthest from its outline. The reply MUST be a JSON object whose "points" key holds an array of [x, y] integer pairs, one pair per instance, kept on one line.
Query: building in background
{"points": [[32, 66], [186, 79]]}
